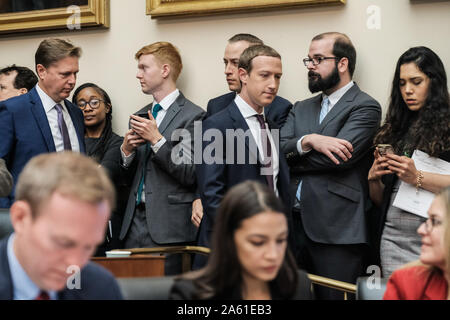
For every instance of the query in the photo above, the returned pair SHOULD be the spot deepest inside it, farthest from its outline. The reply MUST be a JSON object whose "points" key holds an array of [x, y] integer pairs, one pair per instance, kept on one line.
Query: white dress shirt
{"points": [[249, 115], [333, 98], [165, 104], [52, 117]]}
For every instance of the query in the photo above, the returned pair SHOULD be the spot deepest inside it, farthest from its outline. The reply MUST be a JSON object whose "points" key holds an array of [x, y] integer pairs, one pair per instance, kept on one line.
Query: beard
{"points": [[323, 84]]}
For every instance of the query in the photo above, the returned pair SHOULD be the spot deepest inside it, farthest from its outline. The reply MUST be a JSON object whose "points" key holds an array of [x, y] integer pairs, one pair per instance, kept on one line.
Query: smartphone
{"points": [[384, 149], [143, 115]]}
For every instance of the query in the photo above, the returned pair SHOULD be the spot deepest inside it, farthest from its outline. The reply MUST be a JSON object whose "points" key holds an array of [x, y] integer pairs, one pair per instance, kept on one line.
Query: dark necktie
{"points": [[267, 150], [155, 111], [43, 295], [63, 128]]}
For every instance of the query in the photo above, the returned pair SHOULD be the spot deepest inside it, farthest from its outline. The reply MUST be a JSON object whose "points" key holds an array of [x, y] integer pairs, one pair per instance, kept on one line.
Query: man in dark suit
{"points": [[276, 111], [63, 203], [327, 140], [43, 120], [160, 166], [241, 132]]}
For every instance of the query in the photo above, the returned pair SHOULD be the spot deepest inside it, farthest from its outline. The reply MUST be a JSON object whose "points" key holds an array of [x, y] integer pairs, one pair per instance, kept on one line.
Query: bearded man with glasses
{"points": [[327, 140]]}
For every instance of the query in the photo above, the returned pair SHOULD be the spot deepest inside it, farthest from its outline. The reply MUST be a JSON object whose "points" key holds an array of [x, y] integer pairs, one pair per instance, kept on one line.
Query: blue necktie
{"points": [[323, 112], [156, 108]]}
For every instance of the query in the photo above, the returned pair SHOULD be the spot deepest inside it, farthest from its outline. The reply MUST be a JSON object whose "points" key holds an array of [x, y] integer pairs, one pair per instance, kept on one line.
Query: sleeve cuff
{"points": [[299, 147], [126, 161], [158, 145]]}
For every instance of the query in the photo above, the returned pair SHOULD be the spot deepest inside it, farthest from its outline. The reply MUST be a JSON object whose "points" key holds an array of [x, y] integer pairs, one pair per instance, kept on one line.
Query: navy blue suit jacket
{"points": [[215, 180], [96, 282], [276, 112], [25, 133]]}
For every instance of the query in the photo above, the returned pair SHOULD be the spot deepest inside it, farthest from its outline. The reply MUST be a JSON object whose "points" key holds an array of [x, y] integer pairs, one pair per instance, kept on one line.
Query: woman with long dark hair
{"points": [[417, 119], [249, 258], [103, 145]]}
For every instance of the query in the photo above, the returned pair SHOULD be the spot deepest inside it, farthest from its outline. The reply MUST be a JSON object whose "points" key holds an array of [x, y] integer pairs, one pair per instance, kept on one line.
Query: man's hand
{"points": [[130, 142], [328, 146], [197, 212], [146, 128]]}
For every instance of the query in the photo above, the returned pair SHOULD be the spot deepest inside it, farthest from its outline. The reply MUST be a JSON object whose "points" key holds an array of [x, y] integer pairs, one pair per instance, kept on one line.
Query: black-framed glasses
{"points": [[93, 103], [318, 60], [432, 222]]}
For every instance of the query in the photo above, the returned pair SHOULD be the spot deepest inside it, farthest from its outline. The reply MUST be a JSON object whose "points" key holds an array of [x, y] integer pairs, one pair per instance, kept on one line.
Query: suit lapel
{"points": [[6, 287], [41, 119], [172, 112], [349, 96]]}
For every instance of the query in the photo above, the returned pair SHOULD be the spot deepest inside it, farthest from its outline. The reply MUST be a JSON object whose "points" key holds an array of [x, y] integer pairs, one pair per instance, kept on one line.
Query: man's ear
{"points": [[343, 65], [165, 70], [22, 91], [243, 75], [40, 70], [20, 215]]}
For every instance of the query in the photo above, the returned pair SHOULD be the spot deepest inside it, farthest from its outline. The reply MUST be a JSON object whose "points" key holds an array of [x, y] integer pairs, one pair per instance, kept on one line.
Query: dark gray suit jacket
{"points": [[6, 181], [169, 187], [334, 198]]}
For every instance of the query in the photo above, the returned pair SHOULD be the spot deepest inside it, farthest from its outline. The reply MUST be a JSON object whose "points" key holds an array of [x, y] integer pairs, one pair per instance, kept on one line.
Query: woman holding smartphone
{"points": [[417, 119]]}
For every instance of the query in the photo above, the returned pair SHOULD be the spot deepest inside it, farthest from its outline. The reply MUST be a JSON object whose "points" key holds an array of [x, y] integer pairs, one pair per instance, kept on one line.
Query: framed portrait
{"points": [[168, 8], [32, 15]]}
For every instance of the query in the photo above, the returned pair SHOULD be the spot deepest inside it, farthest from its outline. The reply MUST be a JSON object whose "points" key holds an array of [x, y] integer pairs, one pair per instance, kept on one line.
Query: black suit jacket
{"points": [[276, 112], [214, 180], [184, 289], [334, 198], [96, 282]]}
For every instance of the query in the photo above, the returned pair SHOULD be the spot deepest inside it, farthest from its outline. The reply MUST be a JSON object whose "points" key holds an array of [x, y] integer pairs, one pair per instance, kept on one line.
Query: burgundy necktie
{"points": [[267, 150], [63, 128], [43, 295]]}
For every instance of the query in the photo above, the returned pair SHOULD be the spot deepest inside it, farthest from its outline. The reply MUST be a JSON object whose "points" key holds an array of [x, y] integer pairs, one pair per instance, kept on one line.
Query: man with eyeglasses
{"points": [[43, 120], [327, 140]]}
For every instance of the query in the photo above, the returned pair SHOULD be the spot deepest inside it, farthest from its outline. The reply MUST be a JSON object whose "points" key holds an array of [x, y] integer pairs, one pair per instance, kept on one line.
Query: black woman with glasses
{"points": [[103, 145], [428, 278], [417, 119]]}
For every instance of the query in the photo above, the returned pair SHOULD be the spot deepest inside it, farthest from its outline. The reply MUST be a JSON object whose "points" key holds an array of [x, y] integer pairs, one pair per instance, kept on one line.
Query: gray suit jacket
{"points": [[169, 187], [334, 197], [5, 180]]}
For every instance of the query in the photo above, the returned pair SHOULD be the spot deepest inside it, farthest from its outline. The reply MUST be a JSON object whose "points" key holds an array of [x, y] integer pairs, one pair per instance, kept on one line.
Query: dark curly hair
{"points": [[98, 151], [427, 129]]}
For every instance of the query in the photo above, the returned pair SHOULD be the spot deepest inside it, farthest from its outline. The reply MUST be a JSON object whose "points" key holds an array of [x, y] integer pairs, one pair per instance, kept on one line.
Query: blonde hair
{"points": [[67, 173], [165, 53]]}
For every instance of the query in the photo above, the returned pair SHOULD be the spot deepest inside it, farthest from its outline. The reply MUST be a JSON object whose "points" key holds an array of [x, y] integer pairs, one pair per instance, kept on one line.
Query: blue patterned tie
{"points": [[63, 128], [156, 108], [323, 112]]}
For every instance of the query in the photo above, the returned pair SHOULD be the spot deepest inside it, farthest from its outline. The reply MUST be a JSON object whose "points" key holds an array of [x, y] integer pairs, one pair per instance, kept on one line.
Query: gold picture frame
{"points": [[168, 8], [94, 14]]}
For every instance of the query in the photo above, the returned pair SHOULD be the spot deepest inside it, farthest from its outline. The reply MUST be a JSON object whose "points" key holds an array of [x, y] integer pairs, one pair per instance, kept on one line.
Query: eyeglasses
{"points": [[318, 60], [93, 103], [432, 222]]}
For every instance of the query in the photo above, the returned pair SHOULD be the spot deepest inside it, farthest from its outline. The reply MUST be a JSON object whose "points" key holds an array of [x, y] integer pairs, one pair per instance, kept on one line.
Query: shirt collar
{"points": [[168, 100], [47, 102], [23, 287], [338, 94], [246, 110]]}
